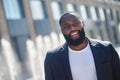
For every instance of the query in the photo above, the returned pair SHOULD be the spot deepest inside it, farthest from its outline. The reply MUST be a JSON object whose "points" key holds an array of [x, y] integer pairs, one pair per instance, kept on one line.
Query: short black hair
{"points": [[66, 13], [60, 20]]}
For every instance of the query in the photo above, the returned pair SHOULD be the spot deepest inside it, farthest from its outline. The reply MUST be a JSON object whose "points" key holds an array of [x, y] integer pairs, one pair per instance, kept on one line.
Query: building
{"points": [[28, 28]]}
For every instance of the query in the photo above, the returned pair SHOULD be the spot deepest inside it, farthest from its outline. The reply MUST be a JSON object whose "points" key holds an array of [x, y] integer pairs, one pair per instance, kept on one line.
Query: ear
{"points": [[61, 29], [83, 24]]}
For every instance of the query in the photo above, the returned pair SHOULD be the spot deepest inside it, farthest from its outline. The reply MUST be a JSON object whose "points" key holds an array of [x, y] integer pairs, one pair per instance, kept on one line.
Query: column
{"points": [[7, 48], [31, 43]]}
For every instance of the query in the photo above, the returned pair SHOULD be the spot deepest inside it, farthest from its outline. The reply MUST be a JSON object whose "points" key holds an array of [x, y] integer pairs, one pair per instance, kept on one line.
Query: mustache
{"points": [[74, 31], [79, 32]]}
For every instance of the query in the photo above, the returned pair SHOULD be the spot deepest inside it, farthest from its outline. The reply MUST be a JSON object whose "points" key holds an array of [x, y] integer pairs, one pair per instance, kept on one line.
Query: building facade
{"points": [[28, 28]]}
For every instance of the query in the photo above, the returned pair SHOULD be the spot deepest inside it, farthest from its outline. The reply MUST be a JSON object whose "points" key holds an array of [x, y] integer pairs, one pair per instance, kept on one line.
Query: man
{"points": [[81, 58]]}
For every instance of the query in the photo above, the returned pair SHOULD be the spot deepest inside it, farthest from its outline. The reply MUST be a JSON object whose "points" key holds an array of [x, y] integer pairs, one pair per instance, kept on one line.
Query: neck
{"points": [[81, 46]]}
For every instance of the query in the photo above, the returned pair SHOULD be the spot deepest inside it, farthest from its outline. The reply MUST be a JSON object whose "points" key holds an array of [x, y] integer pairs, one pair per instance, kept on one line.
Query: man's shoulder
{"points": [[53, 54], [100, 42], [57, 49]]}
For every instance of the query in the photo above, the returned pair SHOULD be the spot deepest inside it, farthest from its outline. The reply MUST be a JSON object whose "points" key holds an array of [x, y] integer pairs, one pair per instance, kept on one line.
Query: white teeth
{"points": [[74, 33]]}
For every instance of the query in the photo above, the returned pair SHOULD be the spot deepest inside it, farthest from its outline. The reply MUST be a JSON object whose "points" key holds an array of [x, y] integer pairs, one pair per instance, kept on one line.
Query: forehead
{"points": [[70, 17]]}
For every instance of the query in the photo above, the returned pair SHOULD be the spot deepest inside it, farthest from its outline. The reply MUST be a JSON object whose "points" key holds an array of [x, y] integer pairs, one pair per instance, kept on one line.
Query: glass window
{"points": [[111, 14], [118, 16], [87, 11], [37, 10], [12, 9], [102, 16], [56, 9], [97, 12], [93, 12], [109, 11], [44, 8], [83, 12]]}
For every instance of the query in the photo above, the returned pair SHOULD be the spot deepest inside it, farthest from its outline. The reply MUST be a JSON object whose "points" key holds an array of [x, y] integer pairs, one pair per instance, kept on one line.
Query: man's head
{"points": [[72, 28]]}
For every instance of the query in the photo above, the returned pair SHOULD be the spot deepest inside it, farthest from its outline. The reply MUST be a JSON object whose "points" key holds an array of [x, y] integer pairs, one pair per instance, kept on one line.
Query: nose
{"points": [[72, 27]]}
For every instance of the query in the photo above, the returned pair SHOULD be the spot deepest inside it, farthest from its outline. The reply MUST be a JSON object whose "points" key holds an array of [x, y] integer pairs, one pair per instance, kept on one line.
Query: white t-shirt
{"points": [[82, 64]]}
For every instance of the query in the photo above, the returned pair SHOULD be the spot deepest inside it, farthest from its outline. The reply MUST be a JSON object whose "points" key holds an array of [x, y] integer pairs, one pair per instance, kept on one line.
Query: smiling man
{"points": [[81, 58]]}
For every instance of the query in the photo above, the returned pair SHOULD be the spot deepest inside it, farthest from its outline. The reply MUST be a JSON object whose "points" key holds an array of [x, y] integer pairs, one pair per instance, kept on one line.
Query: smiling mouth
{"points": [[74, 35]]}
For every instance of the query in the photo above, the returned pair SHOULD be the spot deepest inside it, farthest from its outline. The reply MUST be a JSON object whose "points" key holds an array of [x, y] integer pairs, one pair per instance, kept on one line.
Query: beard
{"points": [[75, 42]]}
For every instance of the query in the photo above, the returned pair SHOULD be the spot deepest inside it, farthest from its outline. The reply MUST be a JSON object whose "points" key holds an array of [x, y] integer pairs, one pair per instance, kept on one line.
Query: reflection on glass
{"points": [[102, 16], [37, 10], [56, 10], [12, 10], [93, 12], [83, 12]]}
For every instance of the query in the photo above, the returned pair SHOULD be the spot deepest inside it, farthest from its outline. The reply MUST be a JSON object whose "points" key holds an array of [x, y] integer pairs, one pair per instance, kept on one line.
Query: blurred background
{"points": [[28, 28]]}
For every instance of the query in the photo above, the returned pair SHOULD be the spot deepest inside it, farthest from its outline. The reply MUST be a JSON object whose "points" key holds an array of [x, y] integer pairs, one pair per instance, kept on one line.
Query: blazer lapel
{"points": [[96, 50], [65, 61]]}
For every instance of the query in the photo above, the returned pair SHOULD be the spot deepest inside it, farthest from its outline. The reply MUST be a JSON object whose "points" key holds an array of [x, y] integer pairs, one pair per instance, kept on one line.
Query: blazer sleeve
{"points": [[115, 64], [47, 68]]}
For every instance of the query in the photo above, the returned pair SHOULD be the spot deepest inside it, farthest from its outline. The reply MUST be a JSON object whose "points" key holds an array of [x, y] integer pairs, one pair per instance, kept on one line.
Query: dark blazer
{"points": [[107, 62]]}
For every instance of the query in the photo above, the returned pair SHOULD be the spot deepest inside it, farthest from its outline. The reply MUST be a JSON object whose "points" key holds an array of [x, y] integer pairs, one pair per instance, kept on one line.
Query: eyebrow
{"points": [[75, 20]]}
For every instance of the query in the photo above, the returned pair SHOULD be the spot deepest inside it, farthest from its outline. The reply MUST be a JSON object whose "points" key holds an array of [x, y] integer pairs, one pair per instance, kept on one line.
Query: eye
{"points": [[66, 27], [76, 23]]}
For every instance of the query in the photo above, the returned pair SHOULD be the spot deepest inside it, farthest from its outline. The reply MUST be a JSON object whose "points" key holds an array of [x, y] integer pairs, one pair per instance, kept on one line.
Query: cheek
{"points": [[80, 28], [65, 32]]}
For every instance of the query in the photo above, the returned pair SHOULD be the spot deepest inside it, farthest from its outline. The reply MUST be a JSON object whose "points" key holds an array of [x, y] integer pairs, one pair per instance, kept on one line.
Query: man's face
{"points": [[72, 29]]}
